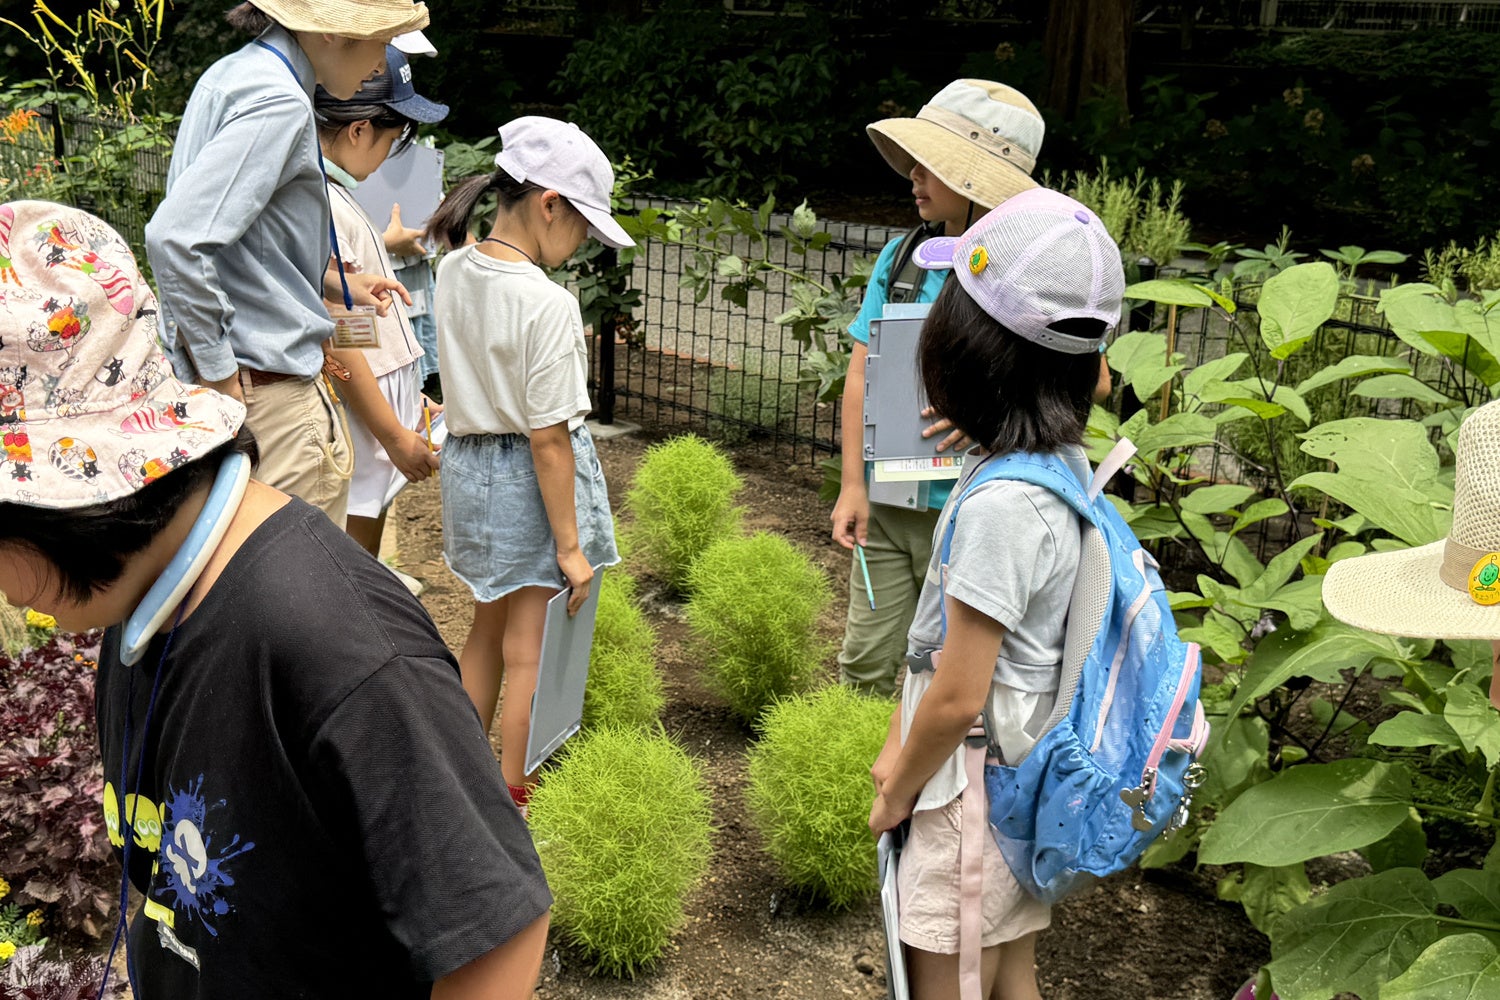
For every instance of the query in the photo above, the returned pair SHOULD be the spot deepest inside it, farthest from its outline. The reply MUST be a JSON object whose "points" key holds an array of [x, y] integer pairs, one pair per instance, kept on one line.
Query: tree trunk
{"points": [[1087, 47]]}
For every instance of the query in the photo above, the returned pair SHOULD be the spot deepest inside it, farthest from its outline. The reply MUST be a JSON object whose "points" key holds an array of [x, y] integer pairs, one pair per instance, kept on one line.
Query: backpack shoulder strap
{"points": [[906, 278], [1045, 470]]}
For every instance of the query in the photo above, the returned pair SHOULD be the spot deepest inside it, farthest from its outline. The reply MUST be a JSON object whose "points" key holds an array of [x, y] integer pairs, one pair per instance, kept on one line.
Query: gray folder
{"points": [[888, 855], [894, 398], [561, 675], [413, 178]]}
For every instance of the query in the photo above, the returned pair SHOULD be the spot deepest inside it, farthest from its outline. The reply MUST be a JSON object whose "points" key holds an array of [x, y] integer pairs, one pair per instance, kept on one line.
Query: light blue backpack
{"points": [[1114, 766]]}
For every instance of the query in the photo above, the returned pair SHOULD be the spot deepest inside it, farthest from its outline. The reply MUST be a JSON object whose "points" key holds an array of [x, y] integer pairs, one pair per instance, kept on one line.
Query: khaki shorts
{"points": [[927, 884], [303, 448]]}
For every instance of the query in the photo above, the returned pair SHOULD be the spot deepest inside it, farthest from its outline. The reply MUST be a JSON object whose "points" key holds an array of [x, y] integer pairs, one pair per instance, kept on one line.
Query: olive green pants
{"points": [[898, 551]]}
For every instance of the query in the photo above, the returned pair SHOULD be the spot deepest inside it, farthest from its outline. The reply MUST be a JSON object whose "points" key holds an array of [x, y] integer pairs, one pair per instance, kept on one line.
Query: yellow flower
{"points": [[7, 949], [38, 620], [4, 888], [34, 918]]}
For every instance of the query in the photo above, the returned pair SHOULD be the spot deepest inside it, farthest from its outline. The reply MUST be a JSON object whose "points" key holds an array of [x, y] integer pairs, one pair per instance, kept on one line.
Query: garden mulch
{"points": [[1145, 936]]}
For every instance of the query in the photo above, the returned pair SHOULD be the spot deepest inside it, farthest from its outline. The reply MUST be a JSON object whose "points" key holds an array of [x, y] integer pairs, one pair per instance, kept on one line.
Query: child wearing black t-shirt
{"points": [[296, 783]]}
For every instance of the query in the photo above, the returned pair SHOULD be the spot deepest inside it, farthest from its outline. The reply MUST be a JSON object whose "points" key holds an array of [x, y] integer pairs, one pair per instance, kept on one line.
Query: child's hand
{"points": [[411, 456], [400, 240], [579, 574], [886, 815], [880, 771], [374, 290], [851, 516], [957, 440]]}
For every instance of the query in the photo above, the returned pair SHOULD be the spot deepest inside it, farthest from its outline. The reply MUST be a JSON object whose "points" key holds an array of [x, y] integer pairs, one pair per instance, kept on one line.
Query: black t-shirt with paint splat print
{"points": [[320, 814]]}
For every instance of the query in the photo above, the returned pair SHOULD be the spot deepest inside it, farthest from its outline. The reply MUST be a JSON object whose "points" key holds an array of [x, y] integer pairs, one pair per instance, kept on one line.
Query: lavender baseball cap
{"points": [[1039, 258]]}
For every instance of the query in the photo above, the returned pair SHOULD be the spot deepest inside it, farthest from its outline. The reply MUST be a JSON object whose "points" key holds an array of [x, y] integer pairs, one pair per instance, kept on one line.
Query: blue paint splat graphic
{"points": [[196, 877]]}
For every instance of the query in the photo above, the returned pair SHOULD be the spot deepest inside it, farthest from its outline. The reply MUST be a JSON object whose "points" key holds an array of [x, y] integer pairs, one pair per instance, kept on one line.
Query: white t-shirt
{"points": [[1014, 558], [510, 346], [363, 248]]}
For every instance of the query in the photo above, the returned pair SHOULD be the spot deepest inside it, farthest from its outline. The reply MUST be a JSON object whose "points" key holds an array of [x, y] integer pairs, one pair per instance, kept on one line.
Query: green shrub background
{"points": [[753, 612], [622, 827], [624, 687], [810, 790], [682, 501]]}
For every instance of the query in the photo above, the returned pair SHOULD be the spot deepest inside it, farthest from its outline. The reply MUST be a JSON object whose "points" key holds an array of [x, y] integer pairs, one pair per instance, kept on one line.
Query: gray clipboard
{"points": [[562, 673], [894, 397], [888, 855], [413, 178]]}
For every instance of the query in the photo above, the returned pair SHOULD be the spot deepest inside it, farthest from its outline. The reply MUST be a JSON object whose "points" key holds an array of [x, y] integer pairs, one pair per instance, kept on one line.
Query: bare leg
{"points": [[366, 531], [482, 663], [523, 648], [1015, 978], [935, 977], [1007, 972]]}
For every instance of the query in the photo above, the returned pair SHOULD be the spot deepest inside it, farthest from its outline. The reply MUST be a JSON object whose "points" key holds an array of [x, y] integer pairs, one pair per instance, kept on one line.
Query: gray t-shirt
{"points": [[1014, 556]]}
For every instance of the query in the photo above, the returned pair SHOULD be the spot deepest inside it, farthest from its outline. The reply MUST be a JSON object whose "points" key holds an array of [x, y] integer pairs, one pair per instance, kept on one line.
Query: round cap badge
{"points": [[978, 260], [1484, 580]]}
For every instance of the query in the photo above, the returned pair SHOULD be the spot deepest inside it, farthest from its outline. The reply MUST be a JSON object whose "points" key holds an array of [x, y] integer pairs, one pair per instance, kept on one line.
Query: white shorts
{"points": [[376, 480], [927, 885]]}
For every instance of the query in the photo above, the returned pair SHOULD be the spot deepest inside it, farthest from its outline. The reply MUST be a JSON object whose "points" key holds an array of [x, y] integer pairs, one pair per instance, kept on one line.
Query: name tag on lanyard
{"points": [[355, 327]]}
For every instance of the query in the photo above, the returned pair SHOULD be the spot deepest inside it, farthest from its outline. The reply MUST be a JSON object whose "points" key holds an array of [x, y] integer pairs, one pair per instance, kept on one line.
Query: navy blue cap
{"points": [[394, 89]]}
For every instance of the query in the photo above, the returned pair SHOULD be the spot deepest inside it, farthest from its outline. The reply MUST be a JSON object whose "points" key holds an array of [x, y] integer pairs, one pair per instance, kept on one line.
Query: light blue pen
{"points": [[864, 568]]}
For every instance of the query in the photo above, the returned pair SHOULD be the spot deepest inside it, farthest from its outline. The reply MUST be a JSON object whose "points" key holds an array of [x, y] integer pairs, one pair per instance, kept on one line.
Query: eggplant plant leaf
{"points": [[1475, 721], [1266, 893], [1460, 966], [1415, 729], [1353, 367], [1321, 653], [1388, 471], [1309, 811], [1475, 894], [1354, 938], [1294, 304]]}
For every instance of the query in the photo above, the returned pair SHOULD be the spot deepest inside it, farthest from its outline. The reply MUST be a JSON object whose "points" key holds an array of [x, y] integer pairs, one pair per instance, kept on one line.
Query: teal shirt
{"points": [[870, 309]]}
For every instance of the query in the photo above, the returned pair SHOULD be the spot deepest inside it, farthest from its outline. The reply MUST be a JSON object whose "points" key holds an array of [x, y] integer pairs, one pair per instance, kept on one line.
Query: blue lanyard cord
{"points": [[333, 235], [127, 819]]}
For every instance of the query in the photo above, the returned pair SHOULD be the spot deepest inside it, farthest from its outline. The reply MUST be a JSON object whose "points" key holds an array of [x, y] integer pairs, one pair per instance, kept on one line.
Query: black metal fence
{"points": [[113, 168], [727, 371]]}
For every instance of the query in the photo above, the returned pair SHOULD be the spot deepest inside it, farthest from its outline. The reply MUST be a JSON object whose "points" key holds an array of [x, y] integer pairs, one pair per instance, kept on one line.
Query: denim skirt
{"points": [[496, 536]]}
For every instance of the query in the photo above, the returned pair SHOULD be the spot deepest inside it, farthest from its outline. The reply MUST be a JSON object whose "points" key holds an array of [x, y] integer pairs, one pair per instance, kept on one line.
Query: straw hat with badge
{"points": [[1448, 589]]}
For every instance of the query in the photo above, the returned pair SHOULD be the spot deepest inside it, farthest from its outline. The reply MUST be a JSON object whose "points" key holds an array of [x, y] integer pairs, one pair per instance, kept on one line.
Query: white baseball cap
{"points": [[556, 154], [1039, 258], [414, 43]]}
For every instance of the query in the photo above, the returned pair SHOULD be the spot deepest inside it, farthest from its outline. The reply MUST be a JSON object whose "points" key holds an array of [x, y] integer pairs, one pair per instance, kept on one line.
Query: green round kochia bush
{"points": [[682, 501], [810, 791], [622, 827], [624, 688], [753, 611]]}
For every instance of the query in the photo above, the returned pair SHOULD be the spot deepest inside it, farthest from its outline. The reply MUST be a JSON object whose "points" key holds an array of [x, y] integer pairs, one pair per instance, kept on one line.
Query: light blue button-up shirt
{"points": [[239, 245]]}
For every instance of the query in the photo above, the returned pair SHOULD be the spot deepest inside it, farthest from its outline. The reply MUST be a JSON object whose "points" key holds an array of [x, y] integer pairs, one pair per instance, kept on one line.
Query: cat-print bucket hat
{"points": [[978, 137], [89, 408]]}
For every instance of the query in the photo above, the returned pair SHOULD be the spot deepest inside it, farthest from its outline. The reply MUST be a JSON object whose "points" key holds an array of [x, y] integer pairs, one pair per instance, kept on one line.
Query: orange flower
{"points": [[13, 124]]}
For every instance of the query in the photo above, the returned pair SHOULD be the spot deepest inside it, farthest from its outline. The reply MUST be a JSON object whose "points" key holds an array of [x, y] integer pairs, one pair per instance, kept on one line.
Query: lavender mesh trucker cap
{"points": [[1039, 258]]}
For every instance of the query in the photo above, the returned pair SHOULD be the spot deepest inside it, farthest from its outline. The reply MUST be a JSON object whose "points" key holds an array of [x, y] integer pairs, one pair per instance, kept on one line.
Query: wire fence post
{"points": [[606, 330]]}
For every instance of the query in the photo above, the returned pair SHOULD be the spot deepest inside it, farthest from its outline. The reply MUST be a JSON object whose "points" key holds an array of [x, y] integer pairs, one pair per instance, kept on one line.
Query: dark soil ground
{"points": [[1144, 936]]}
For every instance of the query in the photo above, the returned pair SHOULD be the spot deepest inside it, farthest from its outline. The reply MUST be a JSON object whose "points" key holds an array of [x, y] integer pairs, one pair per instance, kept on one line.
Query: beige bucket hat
{"points": [[347, 18], [89, 408], [978, 137], [1448, 589]]}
